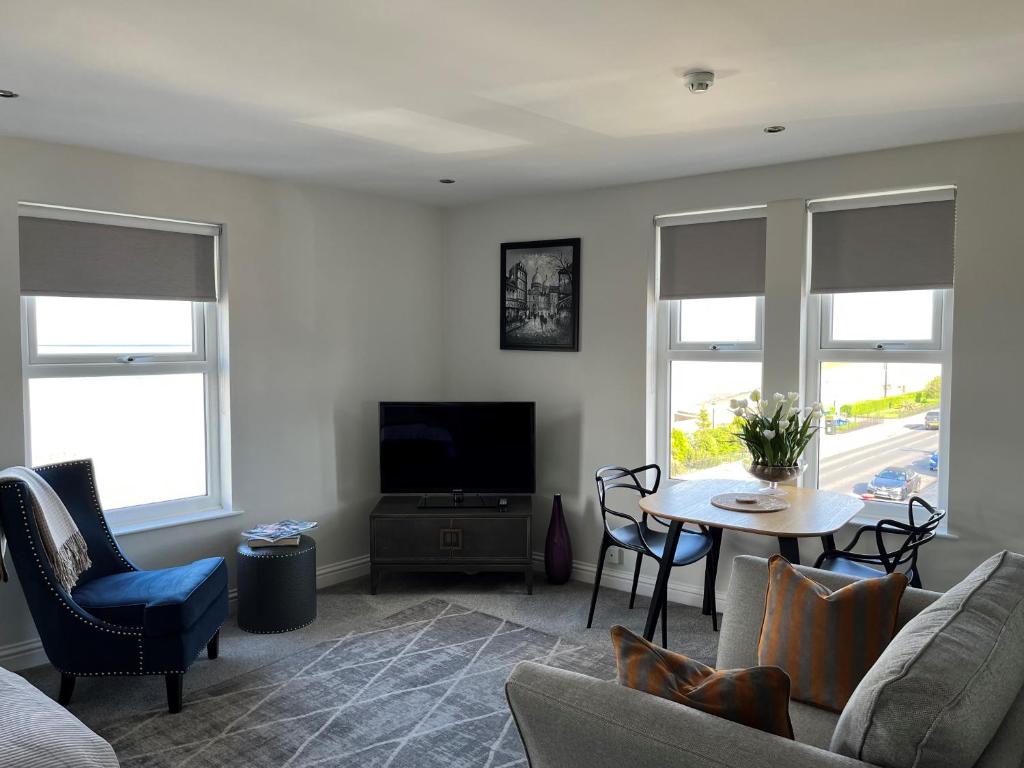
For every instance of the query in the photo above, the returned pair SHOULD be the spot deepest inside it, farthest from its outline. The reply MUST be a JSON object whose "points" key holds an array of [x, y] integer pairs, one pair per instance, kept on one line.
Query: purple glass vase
{"points": [[558, 548]]}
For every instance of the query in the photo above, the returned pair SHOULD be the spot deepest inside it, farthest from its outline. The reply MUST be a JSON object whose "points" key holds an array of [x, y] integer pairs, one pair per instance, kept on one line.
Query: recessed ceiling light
{"points": [[5, 94], [775, 129], [447, 181]]}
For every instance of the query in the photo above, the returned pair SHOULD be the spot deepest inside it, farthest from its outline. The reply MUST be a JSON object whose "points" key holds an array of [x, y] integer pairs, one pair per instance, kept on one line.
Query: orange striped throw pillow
{"points": [[757, 697], [826, 641]]}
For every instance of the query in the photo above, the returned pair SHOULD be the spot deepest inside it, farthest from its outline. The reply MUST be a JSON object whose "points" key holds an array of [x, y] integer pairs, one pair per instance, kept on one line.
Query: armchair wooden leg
{"points": [[67, 687], [174, 689], [213, 647]]}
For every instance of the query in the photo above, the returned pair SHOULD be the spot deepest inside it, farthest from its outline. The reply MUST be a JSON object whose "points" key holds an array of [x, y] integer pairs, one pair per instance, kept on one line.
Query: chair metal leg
{"points": [[67, 687], [597, 580], [915, 579], [664, 621], [711, 576], [636, 577], [661, 583], [174, 691], [213, 647]]}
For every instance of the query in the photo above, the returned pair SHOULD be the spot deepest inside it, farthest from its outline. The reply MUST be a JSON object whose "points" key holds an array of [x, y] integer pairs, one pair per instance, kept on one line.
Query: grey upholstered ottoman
{"points": [[277, 587]]}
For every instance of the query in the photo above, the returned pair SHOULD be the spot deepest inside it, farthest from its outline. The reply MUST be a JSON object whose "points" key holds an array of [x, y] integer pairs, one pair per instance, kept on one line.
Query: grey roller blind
{"points": [[883, 248], [76, 258], [712, 259]]}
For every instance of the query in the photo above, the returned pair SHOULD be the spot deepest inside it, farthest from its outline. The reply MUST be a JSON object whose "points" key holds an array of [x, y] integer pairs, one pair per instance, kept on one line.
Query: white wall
{"points": [[335, 303], [591, 404], [338, 300]]}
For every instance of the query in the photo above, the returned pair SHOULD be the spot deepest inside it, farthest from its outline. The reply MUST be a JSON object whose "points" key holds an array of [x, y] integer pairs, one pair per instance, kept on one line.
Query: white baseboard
{"points": [[30, 653], [621, 578]]}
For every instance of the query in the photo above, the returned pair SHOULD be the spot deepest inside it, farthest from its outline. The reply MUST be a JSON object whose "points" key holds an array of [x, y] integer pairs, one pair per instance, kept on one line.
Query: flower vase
{"points": [[775, 475], [558, 548]]}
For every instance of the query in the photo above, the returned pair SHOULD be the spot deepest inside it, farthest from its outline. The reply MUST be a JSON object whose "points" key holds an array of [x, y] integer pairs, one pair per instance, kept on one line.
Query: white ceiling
{"points": [[506, 96]]}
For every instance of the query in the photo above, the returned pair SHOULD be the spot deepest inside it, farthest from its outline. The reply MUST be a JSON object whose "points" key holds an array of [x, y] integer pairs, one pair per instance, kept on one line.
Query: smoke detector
{"points": [[699, 81]]}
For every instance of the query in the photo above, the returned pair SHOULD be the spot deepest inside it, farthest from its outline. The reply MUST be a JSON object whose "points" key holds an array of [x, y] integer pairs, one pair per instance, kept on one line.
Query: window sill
{"points": [[168, 520]]}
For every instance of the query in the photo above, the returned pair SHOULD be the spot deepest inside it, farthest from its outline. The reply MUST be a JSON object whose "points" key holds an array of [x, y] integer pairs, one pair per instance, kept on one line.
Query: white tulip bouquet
{"points": [[775, 431]]}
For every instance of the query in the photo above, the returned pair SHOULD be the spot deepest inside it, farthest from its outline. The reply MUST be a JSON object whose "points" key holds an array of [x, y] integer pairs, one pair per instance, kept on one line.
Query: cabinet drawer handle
{"points": [[451, 538]]}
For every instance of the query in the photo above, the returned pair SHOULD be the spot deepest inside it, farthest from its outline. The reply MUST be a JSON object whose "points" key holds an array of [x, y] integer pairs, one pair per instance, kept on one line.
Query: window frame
{"points": [[938, 350], [909, 345], [205, 358], [668, 348], [668, 352], [675, 345]]}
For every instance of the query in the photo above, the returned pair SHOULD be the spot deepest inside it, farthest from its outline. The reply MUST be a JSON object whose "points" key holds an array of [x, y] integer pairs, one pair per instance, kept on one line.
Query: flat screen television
{"points": [[476, 447]]}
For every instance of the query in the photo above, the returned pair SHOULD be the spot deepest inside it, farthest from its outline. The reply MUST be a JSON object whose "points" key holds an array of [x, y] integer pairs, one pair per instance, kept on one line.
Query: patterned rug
{"points": [[424, 688]]}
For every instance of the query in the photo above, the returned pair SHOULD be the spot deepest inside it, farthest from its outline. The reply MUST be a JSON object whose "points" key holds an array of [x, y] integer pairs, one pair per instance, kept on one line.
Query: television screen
{"points": [[440, 447]]}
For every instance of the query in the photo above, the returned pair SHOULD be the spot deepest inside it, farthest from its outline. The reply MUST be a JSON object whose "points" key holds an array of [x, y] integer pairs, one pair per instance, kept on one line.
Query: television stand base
{"points": [[405, 536]]}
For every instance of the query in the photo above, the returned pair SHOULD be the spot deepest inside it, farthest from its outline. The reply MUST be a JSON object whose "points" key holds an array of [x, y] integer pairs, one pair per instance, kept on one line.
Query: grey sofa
{"points": [[37, 732], [567, 719]]}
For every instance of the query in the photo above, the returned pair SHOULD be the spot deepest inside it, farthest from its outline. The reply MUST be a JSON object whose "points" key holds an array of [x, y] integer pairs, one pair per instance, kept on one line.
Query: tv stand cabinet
{"points": [[405, 536]]}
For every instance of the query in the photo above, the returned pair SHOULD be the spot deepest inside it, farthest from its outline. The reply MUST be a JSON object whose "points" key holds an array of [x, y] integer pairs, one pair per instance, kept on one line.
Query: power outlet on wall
{"points": [[613, 556]]}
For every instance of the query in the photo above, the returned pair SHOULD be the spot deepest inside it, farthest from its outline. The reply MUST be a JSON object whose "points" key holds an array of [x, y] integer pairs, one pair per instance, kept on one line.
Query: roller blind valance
{"points": [[894, 247], [713, 259], [78, 258]]}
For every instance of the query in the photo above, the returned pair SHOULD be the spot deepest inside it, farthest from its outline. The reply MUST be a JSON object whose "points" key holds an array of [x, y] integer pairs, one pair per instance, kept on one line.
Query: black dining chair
{"points": [[867, 566], [638, 536]]}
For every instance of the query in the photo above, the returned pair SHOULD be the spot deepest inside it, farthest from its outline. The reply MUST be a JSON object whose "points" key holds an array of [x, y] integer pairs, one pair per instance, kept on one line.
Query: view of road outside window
{"points": [[145, 431], [880, 430], [702, 430]]}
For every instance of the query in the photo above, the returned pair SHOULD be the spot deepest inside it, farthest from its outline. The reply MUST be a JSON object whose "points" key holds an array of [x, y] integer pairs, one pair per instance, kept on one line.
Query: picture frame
{"points": [[540, 295]]}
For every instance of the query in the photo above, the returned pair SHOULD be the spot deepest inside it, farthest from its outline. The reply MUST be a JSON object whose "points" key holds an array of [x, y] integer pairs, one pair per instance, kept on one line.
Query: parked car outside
{"points": [[931, 420], [894, 483], [933, 462]]}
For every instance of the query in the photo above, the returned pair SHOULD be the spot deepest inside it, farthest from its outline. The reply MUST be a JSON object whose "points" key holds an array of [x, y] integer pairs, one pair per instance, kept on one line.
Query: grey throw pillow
{"points": [[939, 692]]}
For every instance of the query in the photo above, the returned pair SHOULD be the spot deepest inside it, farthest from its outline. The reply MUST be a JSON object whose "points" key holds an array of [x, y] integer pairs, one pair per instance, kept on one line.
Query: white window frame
{"points": [[204, 358], [934, 343], [675, 345], [670, 349], [821, 348]]}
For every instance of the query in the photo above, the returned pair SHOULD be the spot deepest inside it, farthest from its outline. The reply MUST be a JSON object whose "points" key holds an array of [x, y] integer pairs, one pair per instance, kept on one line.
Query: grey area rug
{"points": [[424, 688]]}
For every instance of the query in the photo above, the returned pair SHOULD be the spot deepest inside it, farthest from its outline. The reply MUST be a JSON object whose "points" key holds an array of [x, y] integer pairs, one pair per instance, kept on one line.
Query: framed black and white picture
{"points": [[540, 288]]}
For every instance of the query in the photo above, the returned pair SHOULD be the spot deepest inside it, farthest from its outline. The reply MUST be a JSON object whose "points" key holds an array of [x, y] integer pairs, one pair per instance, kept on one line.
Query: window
{"points": [[131, 383], [714, 356], [877, 365], [710, 276]]}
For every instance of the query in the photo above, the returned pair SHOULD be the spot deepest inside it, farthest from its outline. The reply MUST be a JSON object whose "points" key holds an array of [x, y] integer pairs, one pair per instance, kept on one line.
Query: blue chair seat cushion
{"points": [[852, 568], [692, 545], [161, 602]]}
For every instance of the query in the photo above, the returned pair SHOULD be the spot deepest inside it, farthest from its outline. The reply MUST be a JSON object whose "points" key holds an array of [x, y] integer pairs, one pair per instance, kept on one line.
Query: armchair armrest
{"points": [[566, 718]]}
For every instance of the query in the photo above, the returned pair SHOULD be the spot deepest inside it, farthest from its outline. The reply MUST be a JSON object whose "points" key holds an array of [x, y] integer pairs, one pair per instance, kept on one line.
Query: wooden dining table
{"points": [[811, 514]]}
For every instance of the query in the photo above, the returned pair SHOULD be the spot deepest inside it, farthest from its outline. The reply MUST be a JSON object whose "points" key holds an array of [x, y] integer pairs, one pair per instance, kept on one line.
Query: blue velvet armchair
{"points": [[118, 620]]}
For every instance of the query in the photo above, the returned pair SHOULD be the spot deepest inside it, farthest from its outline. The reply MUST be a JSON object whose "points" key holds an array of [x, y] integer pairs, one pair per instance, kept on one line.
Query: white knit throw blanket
{"points": [[63, 542]]}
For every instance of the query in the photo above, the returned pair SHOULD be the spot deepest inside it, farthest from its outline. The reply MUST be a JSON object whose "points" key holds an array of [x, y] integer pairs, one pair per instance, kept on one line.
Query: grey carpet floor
{"points": [[556, 610], [424, 689]]}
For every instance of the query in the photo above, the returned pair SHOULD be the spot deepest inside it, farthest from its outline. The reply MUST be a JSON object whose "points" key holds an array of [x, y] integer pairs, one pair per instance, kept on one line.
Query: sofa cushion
{"points": [[826, 640], [812, 725], [162, 602], [941, 690], [757, 697]]}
